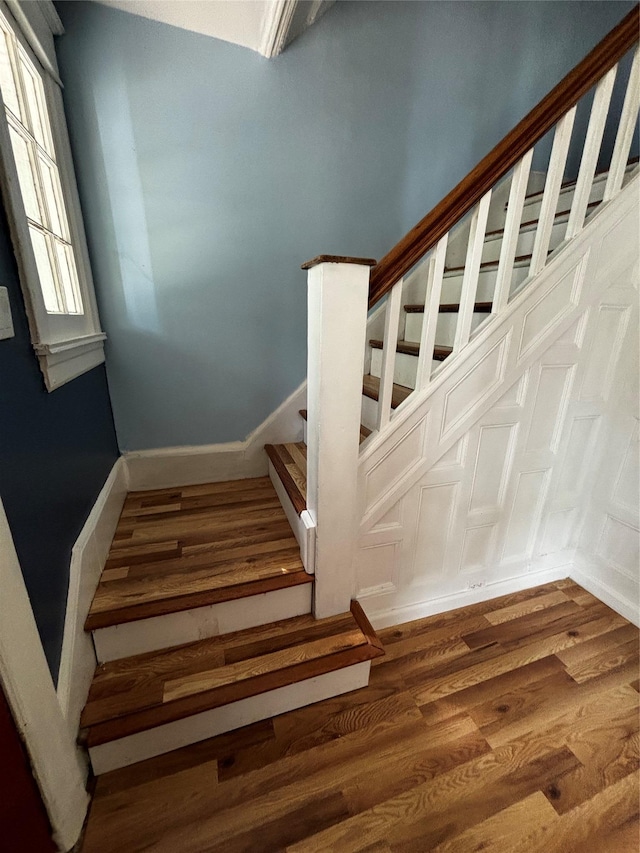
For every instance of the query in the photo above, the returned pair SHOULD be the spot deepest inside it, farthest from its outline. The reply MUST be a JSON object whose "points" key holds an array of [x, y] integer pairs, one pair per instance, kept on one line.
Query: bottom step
{"points": [[153, 703]]}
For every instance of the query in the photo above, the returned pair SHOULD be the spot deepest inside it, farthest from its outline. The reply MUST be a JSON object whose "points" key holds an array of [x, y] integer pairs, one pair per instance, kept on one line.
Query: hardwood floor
{"points": [[176, 549], [509, 726]]}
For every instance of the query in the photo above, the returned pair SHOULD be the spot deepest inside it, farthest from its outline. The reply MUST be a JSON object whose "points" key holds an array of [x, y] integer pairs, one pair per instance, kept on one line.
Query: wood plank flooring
{"points": [[509, 726], [175, 549]]}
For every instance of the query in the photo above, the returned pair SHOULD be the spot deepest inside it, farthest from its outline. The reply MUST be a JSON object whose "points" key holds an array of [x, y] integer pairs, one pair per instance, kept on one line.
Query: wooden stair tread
{"points": [[450, 308], [531, 222], [571, 183], [134, 694], [175, 549], [290, 463], [371, 388], [411, 348], [365, 432], [520, 260]]}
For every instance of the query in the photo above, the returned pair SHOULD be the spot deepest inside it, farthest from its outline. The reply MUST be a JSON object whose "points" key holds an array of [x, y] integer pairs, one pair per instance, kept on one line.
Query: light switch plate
{"points": [[6, 323]]}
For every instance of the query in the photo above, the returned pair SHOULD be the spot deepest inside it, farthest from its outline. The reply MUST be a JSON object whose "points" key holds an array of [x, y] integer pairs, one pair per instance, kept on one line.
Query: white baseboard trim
{"points": [[213, 463], [187, 626], [138, 747], [442, 604], [611, 597], [88, 556]]}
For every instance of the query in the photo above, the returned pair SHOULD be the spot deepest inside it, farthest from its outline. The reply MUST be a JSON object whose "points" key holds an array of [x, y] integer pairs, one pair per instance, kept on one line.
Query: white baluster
{"points": [[511, 233], [553, 184], [593, 141], [626, 129], [430, 316], [389, 343], [471, 272]]}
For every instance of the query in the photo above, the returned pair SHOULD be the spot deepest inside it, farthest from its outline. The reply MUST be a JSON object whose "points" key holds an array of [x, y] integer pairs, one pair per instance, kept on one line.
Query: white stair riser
{"points": [[452, 284], [493, 245], [405, 368], [445, 330], [532, 206], [187, 626], [138, 747]]}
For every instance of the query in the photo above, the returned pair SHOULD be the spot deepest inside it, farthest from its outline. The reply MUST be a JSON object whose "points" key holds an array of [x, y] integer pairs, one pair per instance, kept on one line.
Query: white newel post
{"points": [[337, 324]]}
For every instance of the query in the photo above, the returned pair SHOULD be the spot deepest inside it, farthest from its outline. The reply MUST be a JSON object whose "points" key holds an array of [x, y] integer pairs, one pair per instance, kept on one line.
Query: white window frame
{"points": [[67, 345]]}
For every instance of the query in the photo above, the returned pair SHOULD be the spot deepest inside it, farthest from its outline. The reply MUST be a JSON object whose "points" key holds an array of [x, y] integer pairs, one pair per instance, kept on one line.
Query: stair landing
{"points": [[177, 549]]}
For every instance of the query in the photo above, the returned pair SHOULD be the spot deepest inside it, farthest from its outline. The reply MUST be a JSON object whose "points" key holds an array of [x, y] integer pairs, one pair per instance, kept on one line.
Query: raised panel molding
{"points": [[530, 468], [618, 544], [626, 488], [552, 306], [525, 514], [478, 547], [475, 384], [554, 386], [582, 436], [456, 405], [604, 351], [399, 459], [436, 505], [377, 568], [493, 462]]}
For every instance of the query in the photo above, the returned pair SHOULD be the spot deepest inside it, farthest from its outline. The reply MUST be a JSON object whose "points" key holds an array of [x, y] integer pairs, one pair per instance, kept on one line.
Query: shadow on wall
{"points": [[208, 174]]}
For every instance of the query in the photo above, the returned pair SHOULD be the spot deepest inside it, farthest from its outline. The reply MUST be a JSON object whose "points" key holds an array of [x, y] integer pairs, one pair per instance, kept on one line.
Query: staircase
{"points": [[201, 624], [226, 603], [412, 316]]}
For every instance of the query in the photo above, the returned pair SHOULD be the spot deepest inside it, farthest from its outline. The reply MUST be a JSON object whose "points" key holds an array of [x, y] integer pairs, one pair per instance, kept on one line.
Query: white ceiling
{"points": [[265, 26]]}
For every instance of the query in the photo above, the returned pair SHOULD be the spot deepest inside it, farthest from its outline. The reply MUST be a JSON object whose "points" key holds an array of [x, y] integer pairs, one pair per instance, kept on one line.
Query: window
{"points": [[41, 198]]}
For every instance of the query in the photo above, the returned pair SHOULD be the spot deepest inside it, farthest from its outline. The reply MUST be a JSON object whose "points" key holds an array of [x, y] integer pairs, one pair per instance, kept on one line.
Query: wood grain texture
{"points": [[337, 259], [290, 463], [411, 348], [506, 154], [176, 549], [137, 693], [511, 757], [371, 388], [450, 308]]}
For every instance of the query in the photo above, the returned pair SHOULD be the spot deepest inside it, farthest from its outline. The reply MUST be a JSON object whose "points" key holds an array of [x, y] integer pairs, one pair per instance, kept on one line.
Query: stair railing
{"points": [[342, 289], [427, 241]]}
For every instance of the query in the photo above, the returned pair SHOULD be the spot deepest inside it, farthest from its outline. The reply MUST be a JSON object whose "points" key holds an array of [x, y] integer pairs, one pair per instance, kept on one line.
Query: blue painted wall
{"points": [[56, 451], [208, 174]]}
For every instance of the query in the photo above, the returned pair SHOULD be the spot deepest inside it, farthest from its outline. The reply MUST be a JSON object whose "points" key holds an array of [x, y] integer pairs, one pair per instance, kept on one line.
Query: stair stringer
{"points": [[431, 422]]}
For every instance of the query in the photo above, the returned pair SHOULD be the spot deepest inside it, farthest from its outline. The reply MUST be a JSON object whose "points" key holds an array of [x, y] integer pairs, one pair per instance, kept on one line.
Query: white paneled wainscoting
{"points": [[523, 467]]}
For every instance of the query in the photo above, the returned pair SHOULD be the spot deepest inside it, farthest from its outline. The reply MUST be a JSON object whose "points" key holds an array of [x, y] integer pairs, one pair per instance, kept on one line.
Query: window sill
{"points": [[63, 361]]}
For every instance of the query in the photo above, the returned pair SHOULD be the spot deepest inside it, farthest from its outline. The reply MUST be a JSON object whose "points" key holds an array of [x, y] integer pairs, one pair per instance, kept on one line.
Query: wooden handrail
{"points": [[506, 154]]}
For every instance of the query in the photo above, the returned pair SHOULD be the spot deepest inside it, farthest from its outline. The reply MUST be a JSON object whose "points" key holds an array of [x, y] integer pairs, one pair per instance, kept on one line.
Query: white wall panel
{"points": [[477, 547], [525, 515], [505, 489], [554, 385], [492, 466], [436, 505], [606, 340]]}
